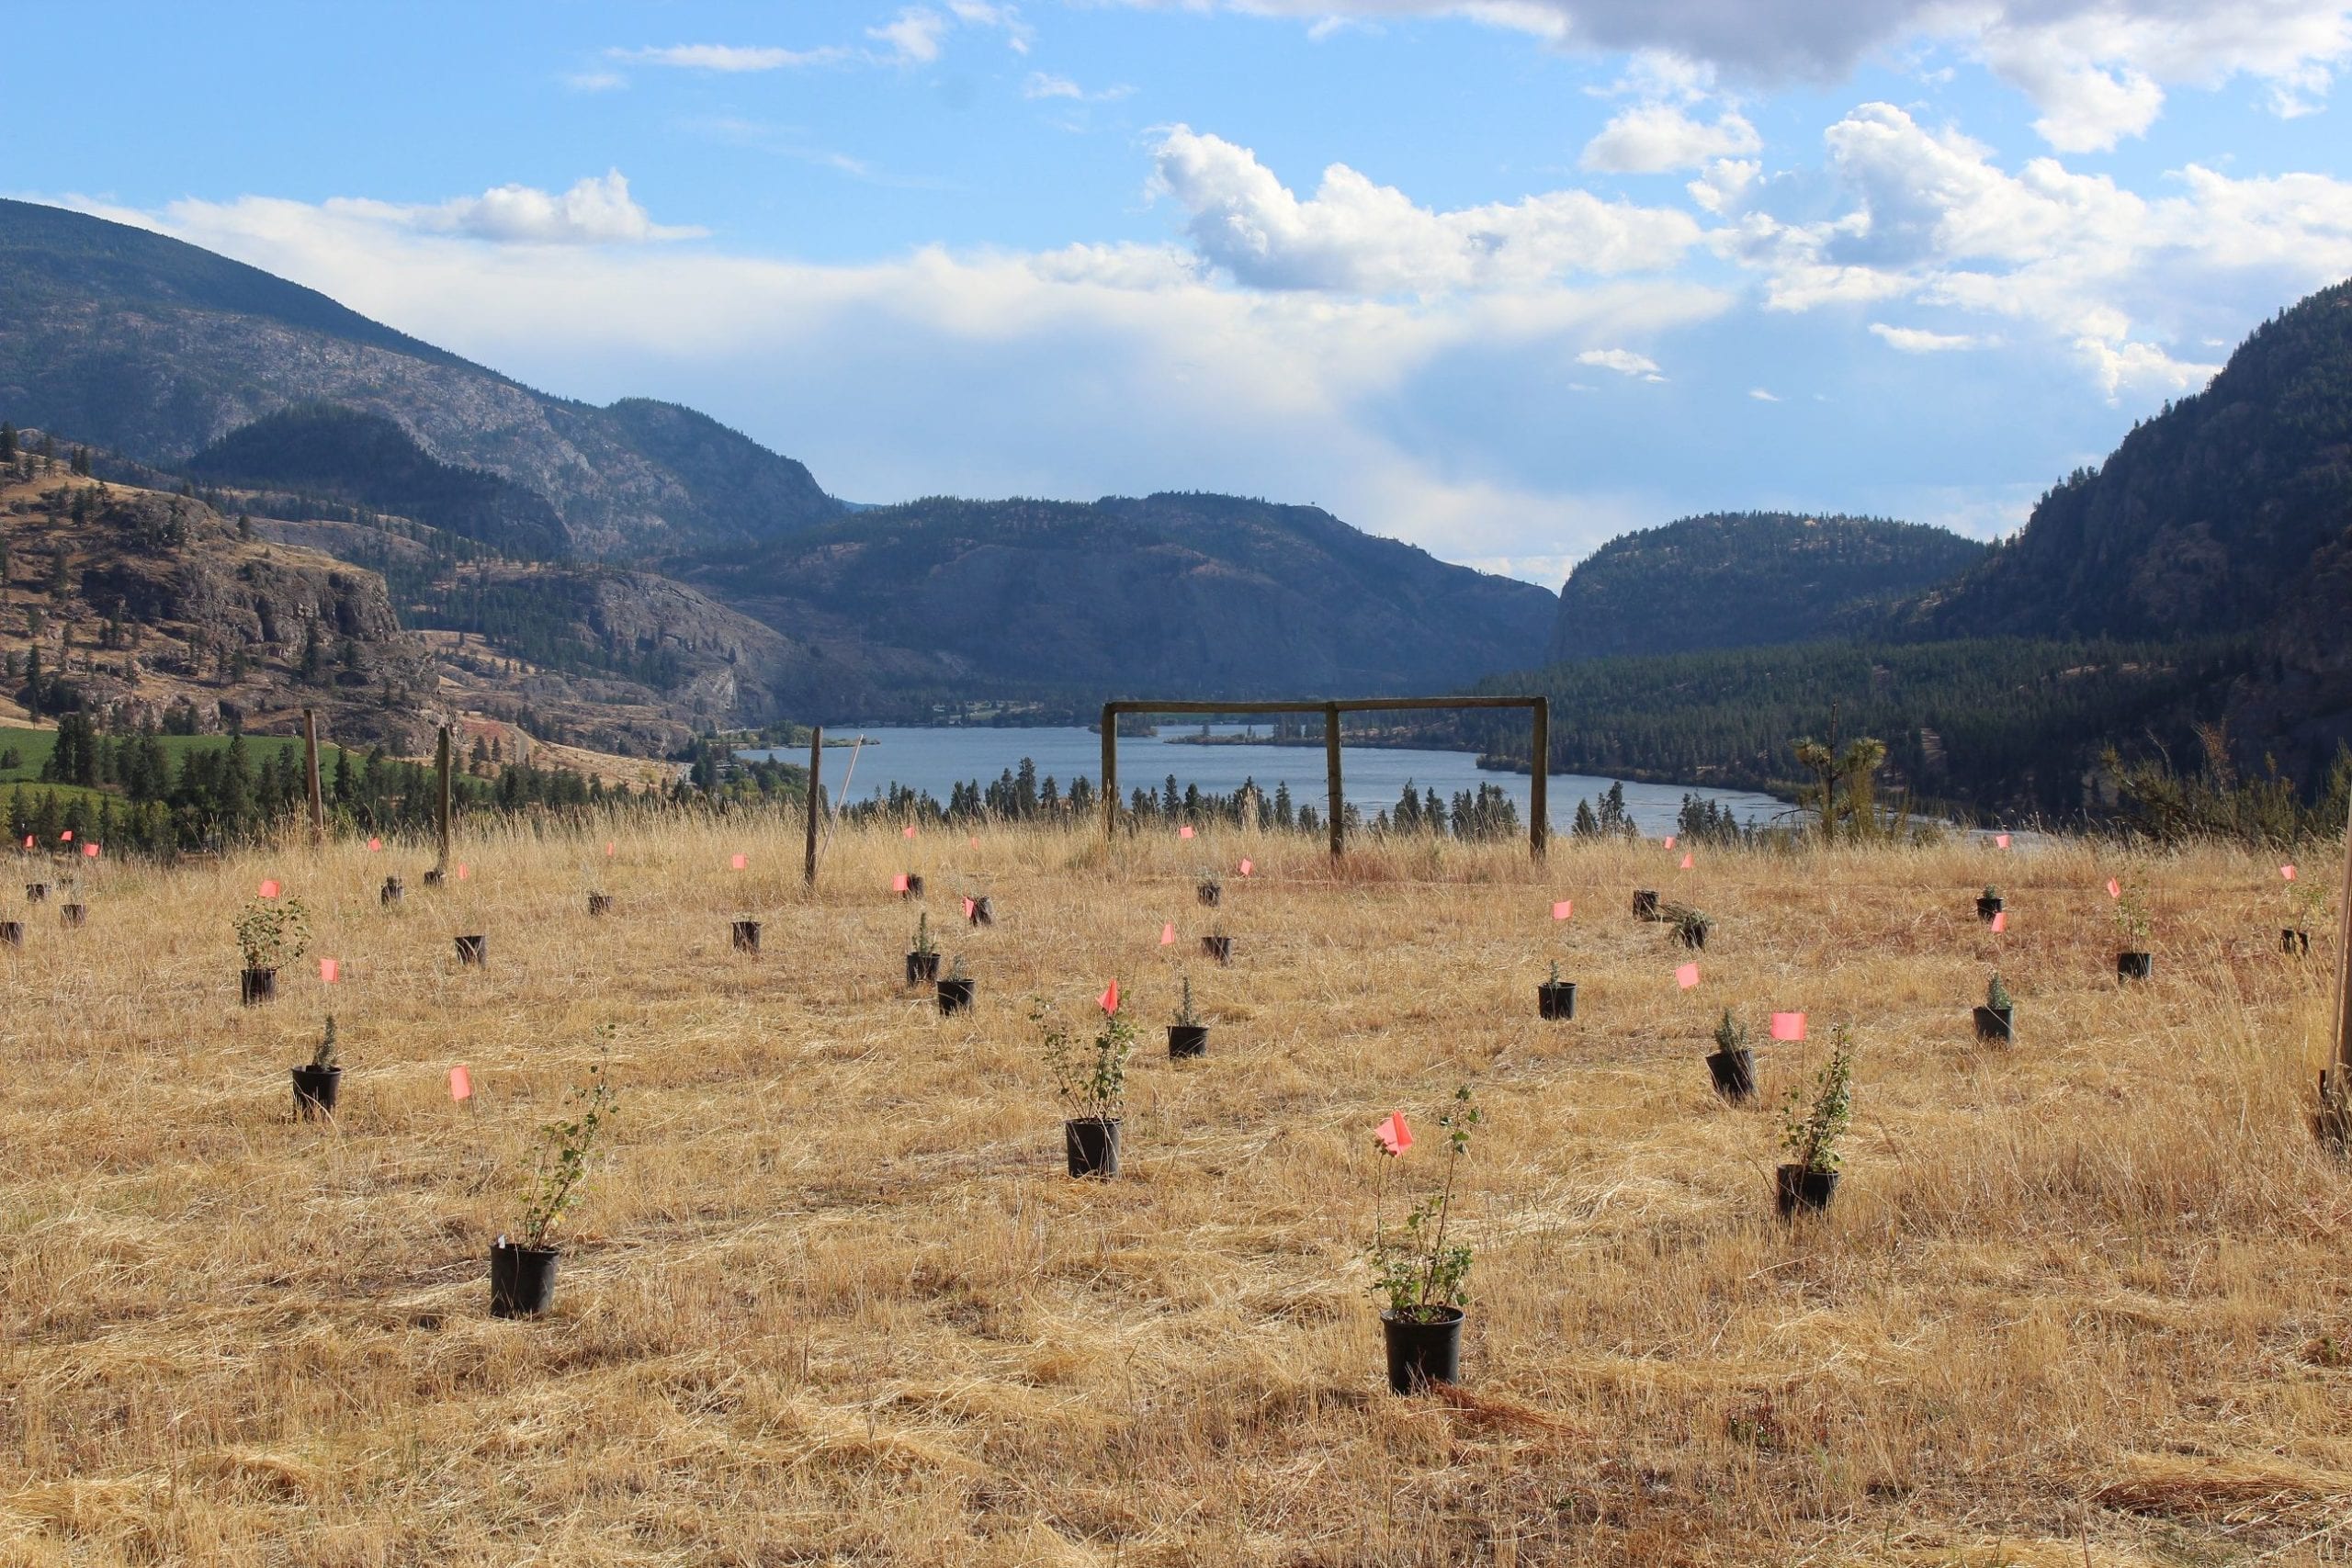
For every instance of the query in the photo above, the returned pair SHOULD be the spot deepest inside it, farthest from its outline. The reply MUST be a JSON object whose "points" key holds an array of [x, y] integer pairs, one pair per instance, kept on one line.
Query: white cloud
{"points": [[1045, 85], [729, 59], [1623, 361], [912, 36], [595, 211], [1762, 396], [1916, 340], [595, 81], [1654, 138], [1018, 34], [1354, 236], [1721, 188]]}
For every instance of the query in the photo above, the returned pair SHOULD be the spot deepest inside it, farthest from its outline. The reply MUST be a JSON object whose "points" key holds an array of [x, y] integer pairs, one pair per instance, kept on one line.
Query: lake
{"points": [[935, 761]]}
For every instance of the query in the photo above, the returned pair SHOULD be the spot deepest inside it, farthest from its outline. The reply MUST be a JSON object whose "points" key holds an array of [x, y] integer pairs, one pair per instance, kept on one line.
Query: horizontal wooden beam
{"points": [[1361, 705]]}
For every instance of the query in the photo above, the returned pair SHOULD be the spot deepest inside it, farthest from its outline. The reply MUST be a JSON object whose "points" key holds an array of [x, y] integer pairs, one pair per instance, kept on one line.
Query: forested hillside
{"points": [[1746, 579]]}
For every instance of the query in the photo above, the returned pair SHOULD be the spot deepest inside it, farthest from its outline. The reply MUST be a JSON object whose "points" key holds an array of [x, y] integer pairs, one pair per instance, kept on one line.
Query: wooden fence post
{"points": [[816, 794], [1539, 765], [2334, 1120], [1110, 771], [441, 804], [311, 767], [1332, 768]]}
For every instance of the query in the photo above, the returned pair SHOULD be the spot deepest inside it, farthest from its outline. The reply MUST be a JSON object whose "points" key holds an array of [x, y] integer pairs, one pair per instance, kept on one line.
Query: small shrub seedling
{"points": [[1731, 1035], [1690, 926], [1185, 1017], [1416, 1271], [322, 1057], [564, 1149], [1814, 1120], [924, 948], [272, 933], [1996, 995], [2131, 923], [1091, 1079]]}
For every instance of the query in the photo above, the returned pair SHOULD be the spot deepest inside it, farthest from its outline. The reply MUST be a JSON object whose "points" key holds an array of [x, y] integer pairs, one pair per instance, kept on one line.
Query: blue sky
{"points": [[1503, 277]]}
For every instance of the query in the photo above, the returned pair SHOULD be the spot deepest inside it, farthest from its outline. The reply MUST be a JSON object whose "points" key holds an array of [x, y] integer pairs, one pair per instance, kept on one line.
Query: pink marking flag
{"points": [[1788, 1026], [2000, 920], [1247, 868], [66, 836], [1185, 831], [907, 831], [90, 851], [330, 971], [1168, 934], [1110, 997], [897, 883], [1394, 1135], [741, 861], [1686, 860], [464, 871], [975, 841], [2114, 888], [461, 1083], [2001, 840], [29, 841], [1686, 976], [969, 908], [1669, 840], [609, 848], [1563, 908], [268, 889], [375, 846], [2288, 872]]}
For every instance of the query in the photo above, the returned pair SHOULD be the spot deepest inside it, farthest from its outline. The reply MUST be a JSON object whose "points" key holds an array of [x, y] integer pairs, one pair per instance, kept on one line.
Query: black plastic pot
{"points": [[983, 913], [1733, 1072], [1555, 999], [1645, 905], [954, 996], [12, 933], [391, 892], [257, 985], [600, 904], [72, 914], [2134, 965], [746, 936], [914, 887], [1691, 936], [921, 967], [1092, 1145], [1987, 907], [1422, 1353], [1187, 1040], [473, 950], [1997, 1024], [1209, 893], [2297, 943], [1795, 1188], [36, 891], [435, 878], [1217, 947], [314, 1090], [521, 1279]]}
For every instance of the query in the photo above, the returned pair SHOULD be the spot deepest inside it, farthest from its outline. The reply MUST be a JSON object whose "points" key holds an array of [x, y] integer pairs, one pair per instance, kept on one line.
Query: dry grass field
{"points": [[831, 1298]]}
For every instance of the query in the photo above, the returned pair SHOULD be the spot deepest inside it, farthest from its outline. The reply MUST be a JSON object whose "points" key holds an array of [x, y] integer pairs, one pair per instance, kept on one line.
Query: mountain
{"points": [[1169, 594], [1746, 579], [2228, 514], [159, 350]]}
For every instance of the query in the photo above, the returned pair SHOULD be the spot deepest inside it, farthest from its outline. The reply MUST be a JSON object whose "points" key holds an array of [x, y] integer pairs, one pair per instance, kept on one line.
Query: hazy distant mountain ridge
{"points": [[1745, 580]]}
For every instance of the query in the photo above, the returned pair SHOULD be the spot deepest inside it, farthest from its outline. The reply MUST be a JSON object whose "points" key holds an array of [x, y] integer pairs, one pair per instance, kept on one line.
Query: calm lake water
{"points": [[935, 761]]}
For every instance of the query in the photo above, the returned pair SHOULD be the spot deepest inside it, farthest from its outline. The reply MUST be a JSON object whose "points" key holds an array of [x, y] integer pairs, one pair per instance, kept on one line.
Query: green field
{"points": [[32, 748]]}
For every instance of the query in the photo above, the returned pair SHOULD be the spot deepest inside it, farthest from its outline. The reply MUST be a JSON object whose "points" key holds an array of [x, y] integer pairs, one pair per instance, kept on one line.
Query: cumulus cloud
{"points": [[1355, 236], [595, 211], [1916, 340], [729, 59], [1654, 138], [1623, 361], [1045, 85], [912, 36], [1762, 396]]}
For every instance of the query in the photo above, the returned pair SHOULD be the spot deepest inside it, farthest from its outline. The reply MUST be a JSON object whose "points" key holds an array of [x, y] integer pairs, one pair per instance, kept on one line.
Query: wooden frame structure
{"points": [[1539, 828]]}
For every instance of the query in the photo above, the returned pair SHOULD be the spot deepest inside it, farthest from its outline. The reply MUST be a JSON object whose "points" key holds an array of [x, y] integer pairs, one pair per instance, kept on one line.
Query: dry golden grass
{"points": [[832, 1300]]}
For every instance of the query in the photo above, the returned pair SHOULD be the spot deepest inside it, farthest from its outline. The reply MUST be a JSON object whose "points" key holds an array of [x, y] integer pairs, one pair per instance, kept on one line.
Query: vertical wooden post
{"points": [[816, 795], [311, 767], [1331, 769], [1110, 771], [441, 805], [2334, 1121], [1539, 767]]}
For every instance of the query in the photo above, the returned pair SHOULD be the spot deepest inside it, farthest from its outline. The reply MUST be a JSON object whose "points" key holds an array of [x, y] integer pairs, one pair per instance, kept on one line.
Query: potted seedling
{"points": [[2132, 961], [2305, 902], [914, 888], [270, 932], [1646, 904], [1187, 1035], [1989, 904], [1812, 1123], [922, 958], [391, 892], [1209, 889], [954, 987], [436, 877], [745, 934], [1997, 1020], [978, 910], [72, 912], [522, 1273], [34, 892], [1732, 1063], [315, 1085], [1422, 1276], [1555, 998], [1691, 927], [1092, 1080], [599, 904], [1219, 947], [12, 933]]}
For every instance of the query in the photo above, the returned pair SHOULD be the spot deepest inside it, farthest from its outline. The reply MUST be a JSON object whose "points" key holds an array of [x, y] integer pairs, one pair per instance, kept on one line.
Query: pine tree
{"points": [[7, 441]]}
